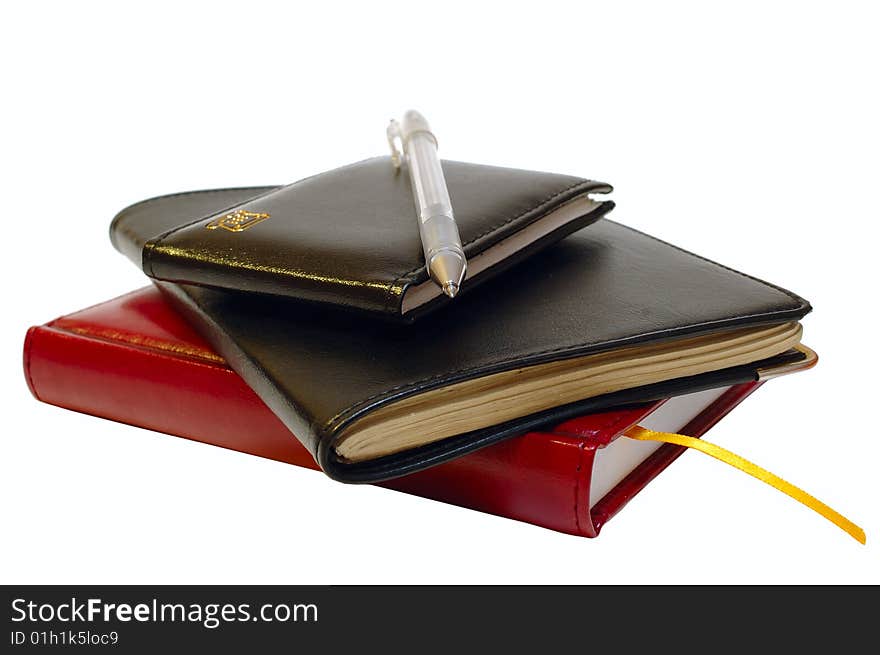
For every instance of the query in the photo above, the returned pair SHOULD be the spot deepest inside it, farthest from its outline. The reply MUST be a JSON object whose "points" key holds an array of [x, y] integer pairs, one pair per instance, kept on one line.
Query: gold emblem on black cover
{"points": [[237, 221]]}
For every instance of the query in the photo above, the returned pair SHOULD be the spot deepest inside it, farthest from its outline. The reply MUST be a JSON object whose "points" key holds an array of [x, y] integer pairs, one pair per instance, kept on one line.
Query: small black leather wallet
{"points": [[350, 237]]}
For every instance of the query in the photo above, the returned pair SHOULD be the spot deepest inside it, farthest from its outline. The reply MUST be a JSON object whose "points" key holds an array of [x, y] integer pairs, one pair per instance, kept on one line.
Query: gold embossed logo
{"points": [[237, 221]]}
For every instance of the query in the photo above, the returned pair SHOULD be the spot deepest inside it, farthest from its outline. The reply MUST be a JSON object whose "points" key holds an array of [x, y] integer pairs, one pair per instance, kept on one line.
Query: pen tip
{"points": [[450, 289]]}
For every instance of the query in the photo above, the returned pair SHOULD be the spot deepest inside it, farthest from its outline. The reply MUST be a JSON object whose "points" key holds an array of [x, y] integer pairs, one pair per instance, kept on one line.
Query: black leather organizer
{"points": [[299, 307]]}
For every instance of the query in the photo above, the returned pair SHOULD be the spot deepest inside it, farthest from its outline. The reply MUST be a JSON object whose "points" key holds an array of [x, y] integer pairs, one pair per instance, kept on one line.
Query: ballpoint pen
{"points": [[444, 257]]}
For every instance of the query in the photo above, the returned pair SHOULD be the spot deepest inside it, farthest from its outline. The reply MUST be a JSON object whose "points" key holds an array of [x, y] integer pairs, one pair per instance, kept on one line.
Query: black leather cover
{"points": [[350, 236], [602, 288]]}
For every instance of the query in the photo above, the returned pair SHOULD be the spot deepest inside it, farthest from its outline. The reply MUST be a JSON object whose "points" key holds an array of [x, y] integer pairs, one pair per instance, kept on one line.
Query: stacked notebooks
{"points": [[298, 323]]}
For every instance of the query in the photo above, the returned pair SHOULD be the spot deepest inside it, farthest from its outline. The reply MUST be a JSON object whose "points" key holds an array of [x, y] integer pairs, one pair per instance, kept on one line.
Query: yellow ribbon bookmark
{"points": [[642, 434]]}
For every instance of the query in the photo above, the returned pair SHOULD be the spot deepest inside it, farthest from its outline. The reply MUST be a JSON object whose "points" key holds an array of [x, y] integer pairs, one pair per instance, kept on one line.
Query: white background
{"points": [[748, 134]]}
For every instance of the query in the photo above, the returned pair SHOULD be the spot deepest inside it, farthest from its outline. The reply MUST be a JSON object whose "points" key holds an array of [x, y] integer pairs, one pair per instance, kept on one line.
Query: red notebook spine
{"points": [[132, 360], [178, 393]]}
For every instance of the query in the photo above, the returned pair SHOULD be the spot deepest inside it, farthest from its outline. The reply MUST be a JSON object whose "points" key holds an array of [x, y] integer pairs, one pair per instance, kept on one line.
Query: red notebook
{"points": [[133, 360]]}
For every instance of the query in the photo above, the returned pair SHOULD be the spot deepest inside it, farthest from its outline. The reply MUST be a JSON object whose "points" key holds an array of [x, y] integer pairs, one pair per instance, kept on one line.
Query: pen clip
{"points": [[394, 138]]}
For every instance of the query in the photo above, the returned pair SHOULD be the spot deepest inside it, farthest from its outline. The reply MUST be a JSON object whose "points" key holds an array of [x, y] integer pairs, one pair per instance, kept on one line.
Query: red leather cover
{"points": [[134, 360]]}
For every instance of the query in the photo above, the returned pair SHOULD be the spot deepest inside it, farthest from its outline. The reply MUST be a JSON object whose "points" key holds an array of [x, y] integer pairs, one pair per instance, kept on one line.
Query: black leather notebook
{"points": [[606, 317], [350, 237]]}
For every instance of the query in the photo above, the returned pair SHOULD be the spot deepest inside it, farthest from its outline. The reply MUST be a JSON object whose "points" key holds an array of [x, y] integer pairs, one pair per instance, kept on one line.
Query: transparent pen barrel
{"points": [[428, 183]]}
